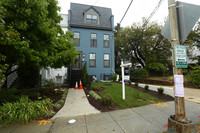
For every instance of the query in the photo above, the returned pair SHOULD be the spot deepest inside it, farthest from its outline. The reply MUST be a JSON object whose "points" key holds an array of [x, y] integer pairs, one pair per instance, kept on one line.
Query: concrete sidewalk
{"points": [[191, 94], [145, 119], [76, 104]]}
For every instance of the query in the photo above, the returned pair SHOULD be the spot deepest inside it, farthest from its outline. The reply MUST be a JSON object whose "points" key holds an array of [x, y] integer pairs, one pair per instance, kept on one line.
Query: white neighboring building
{"points": [[58, 76]]}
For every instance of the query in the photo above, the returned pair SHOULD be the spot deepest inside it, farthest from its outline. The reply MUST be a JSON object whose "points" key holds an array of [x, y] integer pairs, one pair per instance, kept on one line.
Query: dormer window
{"points": [[91, 19]]}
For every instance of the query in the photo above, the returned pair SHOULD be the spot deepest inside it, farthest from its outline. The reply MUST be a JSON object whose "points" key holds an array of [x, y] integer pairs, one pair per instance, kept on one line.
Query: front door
{"points": [[78, 63]]}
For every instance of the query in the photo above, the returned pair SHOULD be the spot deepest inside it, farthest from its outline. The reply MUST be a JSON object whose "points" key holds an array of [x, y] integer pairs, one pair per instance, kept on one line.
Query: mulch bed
{"points": [[98, 103], [105, 108]]}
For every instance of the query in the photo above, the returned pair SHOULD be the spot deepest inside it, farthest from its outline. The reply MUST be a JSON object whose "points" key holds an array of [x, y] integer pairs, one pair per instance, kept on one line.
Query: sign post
{"points": [[123, 85]]}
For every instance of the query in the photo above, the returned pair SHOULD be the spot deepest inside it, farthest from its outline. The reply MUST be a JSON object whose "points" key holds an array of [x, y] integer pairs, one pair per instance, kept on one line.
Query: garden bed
{"points": [[104, 108]]}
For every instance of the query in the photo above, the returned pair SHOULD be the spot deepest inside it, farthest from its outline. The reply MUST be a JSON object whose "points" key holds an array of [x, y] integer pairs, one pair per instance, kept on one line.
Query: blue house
{"points": [[93, 29]]}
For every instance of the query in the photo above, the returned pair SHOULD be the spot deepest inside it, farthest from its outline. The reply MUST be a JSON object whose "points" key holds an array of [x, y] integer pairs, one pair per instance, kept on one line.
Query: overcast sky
{"points": [[138, 9]]}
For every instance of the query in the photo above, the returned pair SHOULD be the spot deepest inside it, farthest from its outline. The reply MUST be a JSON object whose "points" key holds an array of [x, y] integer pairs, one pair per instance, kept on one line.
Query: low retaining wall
{"points": [[161, 82]]}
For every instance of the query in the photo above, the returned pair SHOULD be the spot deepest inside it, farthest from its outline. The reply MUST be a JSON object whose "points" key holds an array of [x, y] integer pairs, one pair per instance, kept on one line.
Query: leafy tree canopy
{"points": [[142, 45], [30, 31]]}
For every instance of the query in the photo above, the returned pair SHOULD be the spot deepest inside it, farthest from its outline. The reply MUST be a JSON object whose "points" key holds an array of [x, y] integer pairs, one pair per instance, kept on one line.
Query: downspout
{"points": [[112, 37]]}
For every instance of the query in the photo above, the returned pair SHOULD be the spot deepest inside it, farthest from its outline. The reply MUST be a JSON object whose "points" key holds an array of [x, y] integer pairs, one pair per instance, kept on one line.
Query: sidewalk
{"points": [[191, 94], [76, 104], [150, 118]]}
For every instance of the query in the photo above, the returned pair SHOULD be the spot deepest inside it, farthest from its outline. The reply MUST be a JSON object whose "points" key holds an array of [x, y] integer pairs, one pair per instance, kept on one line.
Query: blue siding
{"points": [[85, 47]]}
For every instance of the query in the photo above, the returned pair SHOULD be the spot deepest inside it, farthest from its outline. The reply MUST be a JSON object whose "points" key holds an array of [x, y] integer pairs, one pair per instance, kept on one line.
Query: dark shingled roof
{"points": [[77, 16]]}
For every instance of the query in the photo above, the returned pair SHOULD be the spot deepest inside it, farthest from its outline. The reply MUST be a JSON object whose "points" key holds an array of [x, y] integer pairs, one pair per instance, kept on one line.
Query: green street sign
{"points": [[180, 56]]}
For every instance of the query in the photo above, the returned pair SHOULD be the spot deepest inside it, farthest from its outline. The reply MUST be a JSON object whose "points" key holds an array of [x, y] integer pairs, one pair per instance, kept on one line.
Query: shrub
{"points": [[57, 105], [49, 113], [194, 75], [114, 77], [129, 82], [62, 101], [107, 99], [8, 95], [156, 67], [94, 88], [146, 87], [160, 90], [95, 95], [136, 83], [138, 73], [48, 83], [24, 110], [85, 75], [185, 71]]}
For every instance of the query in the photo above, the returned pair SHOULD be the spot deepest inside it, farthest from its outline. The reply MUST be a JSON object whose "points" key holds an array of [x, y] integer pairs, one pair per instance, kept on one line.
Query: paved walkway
{"points": [[191, 94], [76, 104], [150, 118]]}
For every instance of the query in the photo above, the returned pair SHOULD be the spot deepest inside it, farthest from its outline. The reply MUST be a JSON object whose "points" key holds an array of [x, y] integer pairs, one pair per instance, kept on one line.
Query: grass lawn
{"points": [[133, 97]]}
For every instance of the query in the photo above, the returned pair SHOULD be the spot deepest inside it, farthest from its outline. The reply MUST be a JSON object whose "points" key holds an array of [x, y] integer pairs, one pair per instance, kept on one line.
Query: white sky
{"points": [[138, 9]]}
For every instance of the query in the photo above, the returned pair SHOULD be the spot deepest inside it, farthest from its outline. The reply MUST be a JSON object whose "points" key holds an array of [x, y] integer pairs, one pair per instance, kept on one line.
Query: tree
{"points": [[31, 33], [143, 45], [85, 75]]}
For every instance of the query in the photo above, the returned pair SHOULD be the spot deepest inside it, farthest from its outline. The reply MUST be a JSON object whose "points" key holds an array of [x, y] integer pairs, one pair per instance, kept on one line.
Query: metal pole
{"points": [[123, 86], [179, 101]]}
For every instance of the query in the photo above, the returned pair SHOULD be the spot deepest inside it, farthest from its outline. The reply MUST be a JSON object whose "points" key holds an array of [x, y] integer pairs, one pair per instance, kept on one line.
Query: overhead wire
{"points": [[126, 11], [154, 11]]}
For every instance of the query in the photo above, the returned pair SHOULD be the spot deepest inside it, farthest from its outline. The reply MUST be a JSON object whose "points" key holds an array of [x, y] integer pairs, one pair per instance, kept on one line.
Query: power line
{"points": [[126, 11], [96, 2], [154, 11]]}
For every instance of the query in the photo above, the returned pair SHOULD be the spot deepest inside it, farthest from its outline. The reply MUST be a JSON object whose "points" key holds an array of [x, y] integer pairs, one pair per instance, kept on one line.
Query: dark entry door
{"points": [[78, 63]]}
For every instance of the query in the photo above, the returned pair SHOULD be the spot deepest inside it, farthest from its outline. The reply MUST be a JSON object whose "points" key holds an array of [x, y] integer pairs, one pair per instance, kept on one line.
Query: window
{"points": [[91, 19], [93, 40], [106, 41], [106, 60], [106, 77], [77, 38], [92, 61]]}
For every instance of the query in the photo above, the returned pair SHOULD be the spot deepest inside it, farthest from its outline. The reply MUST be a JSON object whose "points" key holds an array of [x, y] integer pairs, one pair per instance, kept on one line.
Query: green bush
{"points": [[129, 82], [185, 71], [24, 110], [95, 95], [160, 90], [84, 75], [138, 74], [136, 84], [94, 88], [146, 87], [156, 67], [8, 95], [48, 83], [57, 105], [194, 75], [114, 77], [62, 101], [107, 99]]}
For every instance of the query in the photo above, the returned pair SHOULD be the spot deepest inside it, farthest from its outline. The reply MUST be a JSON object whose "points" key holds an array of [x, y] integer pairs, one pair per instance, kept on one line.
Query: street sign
{"points": [[180, 56], [188, 15]]}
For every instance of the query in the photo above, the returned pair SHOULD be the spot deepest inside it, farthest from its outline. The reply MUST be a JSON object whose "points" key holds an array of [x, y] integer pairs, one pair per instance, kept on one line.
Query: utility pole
{"points": [[180, 115]]}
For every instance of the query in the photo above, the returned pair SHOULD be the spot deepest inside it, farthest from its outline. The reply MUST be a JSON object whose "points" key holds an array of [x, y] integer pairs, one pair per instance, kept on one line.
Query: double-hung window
{"points": [[106, 58], [93, 40], [77, 38], [91, 19], [106, 41], [92, 61]]}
